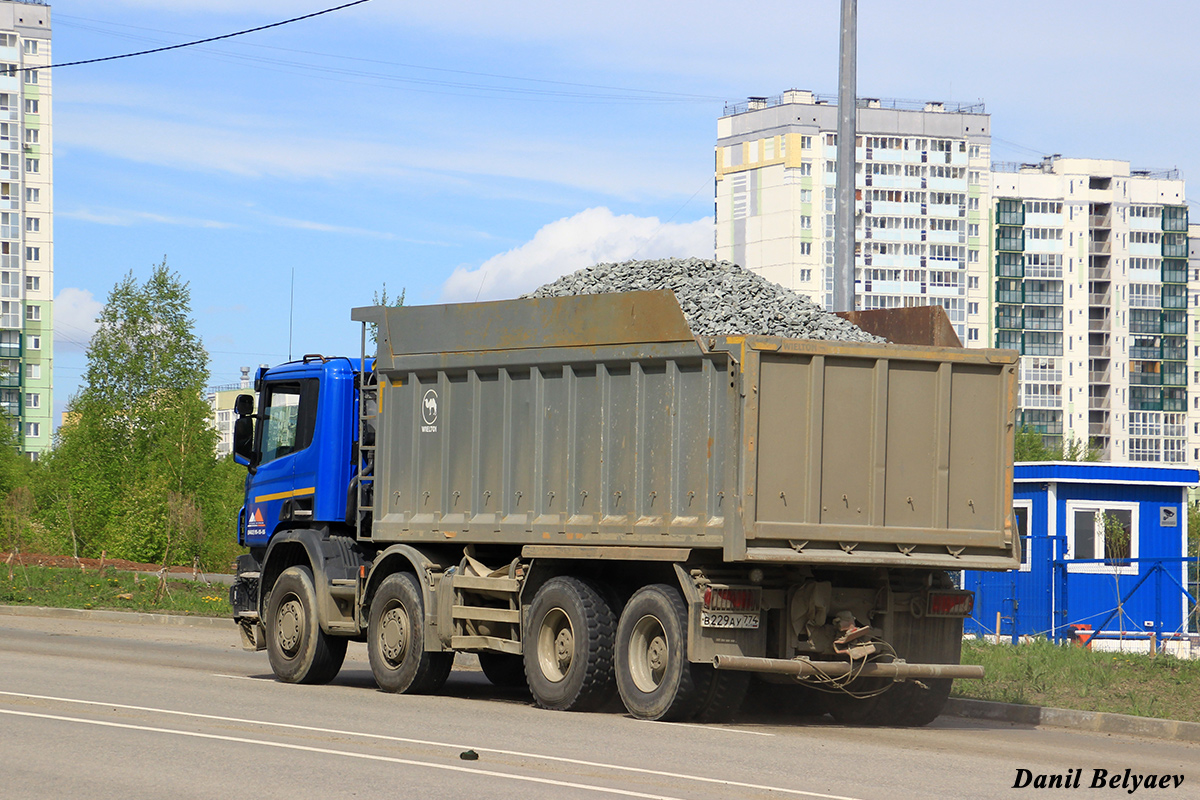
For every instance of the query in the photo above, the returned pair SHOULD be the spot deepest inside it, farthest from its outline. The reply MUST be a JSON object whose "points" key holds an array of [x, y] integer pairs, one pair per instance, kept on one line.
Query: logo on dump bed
{"points": [[256, 523], [429, 411]]}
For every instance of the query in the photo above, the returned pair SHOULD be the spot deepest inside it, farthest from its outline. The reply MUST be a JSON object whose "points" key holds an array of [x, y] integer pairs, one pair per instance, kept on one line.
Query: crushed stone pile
{"points": [[718, 298]]}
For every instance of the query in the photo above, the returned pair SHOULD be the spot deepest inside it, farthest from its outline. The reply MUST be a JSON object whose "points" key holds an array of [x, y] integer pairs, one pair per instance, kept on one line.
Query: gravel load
{"points": [[718, 298]]}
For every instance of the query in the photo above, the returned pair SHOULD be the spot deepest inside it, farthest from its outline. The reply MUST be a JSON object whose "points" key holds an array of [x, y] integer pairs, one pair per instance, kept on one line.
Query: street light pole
{"points": [[843, 260]]}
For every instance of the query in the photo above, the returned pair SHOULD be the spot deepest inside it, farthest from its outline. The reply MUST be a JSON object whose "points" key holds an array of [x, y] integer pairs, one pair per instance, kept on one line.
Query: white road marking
{"points": [[429, 743], [345, 753], [705, 728]]}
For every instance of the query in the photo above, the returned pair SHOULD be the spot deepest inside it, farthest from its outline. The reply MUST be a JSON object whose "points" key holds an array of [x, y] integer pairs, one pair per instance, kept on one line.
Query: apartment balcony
{"points": [[12, 408], [1100, 248], [1145, 379], [1100, 220], [1099, 273], [1100, 403], [1103, 325], [1099, 376], [10, 380], [1098, 350], [1100, 299]]}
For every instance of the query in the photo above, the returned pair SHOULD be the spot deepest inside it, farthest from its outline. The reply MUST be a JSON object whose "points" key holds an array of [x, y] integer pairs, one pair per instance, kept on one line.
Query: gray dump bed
{"points": [[600, 420]]}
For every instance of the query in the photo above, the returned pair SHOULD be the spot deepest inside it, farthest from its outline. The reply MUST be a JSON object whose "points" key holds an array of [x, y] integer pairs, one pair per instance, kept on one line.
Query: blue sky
{"points": [[480, 149]]}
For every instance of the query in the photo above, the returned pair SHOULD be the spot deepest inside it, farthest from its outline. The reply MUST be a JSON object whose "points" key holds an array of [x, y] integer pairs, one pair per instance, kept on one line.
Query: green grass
{"points": [[1063, 676], [110, 589]]}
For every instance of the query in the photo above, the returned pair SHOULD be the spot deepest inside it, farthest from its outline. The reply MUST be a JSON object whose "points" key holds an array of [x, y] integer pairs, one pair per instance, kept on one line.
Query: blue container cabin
{"points": [[1070, 575]]}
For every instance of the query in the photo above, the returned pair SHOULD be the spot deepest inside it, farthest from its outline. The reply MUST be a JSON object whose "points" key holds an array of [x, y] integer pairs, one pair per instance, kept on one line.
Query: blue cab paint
{"points": [[316, 476]]}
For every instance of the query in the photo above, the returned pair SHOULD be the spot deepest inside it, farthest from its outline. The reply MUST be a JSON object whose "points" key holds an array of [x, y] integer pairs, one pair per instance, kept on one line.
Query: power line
{"points": [[200, 41], [652, 94]]}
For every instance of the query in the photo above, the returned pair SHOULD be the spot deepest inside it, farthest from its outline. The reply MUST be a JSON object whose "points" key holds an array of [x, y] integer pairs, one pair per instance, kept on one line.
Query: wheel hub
{"points": [[393, 634], [657, 655], [564, 648], [288, 624]]}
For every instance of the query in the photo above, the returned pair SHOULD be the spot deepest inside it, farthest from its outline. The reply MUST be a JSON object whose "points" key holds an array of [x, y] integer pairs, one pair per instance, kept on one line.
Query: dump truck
{"points": [[600, 504]]}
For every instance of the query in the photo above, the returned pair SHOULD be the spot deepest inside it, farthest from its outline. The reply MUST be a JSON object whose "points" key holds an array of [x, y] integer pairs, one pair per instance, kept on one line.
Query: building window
{"points": [[33, 165], [1021, 512], [34, 343], [1086, 538], [33, 283], [973, 282], [33, 254], [31, 106], [805, 221], [33, 313], [33, 195], [33, 400], [33, 224], [31, 136], [972, 308], [8, 40], [805, 275], [33, 371], [33, 430], [972, 334], [806, 248], [31, 76], [31, 46], [973, 204]]}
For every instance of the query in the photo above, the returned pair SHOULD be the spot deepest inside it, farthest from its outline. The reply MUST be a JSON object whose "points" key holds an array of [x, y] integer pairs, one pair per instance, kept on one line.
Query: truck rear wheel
{"points": [[503, 669], [568, 646], [906, 704], [299, 651], [654, 677], [396, 639]]}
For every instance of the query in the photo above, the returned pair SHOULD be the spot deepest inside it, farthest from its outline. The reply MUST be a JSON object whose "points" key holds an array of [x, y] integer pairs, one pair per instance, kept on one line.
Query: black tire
{"points": [[568, 646], [913, 704], [720, 693], [396, 640], [299, 651], [654, 677], [503, 669]]}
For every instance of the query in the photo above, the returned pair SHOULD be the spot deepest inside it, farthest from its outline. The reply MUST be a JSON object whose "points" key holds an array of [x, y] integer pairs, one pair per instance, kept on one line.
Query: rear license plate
{"points": [[728, 619]]}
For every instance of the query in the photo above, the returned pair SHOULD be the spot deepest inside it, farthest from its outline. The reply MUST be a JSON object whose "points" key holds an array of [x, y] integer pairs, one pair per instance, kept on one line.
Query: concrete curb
{"points": [[136, 617], [1097, 721]]}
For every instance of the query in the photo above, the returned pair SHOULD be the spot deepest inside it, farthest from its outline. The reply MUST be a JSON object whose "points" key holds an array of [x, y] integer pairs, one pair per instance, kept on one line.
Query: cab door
{"points": [[283, 477]]}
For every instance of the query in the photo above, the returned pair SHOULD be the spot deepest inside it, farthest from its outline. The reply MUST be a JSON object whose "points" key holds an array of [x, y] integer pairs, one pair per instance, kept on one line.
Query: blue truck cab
{"points": [[301, 464], [300, 447]]}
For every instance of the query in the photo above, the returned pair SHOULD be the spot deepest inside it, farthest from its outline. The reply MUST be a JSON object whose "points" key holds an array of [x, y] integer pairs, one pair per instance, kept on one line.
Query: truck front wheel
{"points": [[568, 646], [299, 651], [396, 640], [654, 676]]}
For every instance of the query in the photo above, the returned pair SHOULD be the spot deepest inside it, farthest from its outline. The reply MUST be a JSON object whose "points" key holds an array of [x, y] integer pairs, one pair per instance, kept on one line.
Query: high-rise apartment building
{"points": [[1080, 264], [921, 210], [26, 223], [1091, 285]]}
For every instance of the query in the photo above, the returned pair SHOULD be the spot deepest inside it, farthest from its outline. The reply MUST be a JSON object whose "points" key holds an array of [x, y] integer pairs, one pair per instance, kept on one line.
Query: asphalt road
{"points": [[114, 710]]}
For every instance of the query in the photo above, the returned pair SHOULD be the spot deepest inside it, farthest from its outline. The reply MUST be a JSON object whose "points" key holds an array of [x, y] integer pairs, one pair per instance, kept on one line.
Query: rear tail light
{"points": [[727, 598], [951, 604]]}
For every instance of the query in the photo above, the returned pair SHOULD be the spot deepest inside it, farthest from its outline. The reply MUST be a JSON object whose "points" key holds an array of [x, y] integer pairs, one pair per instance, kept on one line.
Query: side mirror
{"points": [[243, 406], [243, 436]]}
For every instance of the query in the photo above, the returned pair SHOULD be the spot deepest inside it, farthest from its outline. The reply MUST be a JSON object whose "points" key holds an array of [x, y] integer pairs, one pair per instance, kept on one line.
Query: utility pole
{"points": [[843, 259]]}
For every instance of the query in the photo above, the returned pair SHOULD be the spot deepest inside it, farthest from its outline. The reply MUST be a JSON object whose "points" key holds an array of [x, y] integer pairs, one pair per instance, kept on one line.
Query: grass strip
{"points": [[110, 588], [1042, 673]]}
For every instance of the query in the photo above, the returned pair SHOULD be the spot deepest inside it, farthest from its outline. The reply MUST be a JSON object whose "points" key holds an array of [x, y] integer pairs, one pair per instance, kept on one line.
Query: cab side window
{"points": [[289, 417]]}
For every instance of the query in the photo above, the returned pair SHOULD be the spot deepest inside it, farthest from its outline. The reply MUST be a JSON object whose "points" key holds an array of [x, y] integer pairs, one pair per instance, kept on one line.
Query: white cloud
{"points": [[590, 237], [126, 217], [75, 313]]}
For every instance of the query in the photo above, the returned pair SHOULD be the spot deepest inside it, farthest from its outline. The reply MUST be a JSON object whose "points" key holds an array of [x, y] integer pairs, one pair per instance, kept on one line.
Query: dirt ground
{"points": [[42, 560]]}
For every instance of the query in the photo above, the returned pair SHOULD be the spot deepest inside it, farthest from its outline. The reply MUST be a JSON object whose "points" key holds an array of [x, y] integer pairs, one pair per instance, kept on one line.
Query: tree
{"points": [[381, 299], [139, 445], [1031, 446]]}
